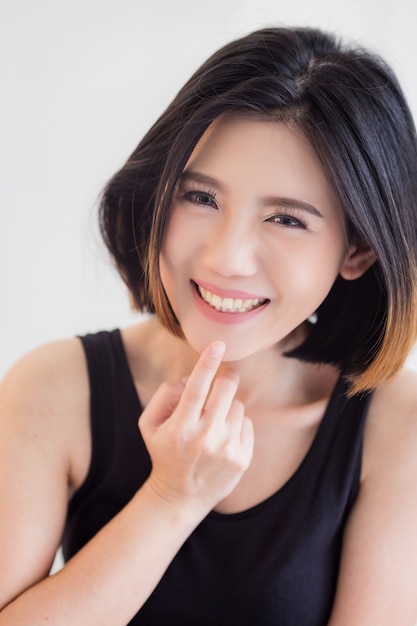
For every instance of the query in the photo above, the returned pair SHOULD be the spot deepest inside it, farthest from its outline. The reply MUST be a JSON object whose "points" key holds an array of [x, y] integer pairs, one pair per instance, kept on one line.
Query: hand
{"points": [[197, 435]]}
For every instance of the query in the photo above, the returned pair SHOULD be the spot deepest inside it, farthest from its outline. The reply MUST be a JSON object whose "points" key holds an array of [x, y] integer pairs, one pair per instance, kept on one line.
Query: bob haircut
{"points": [[349, 105]]}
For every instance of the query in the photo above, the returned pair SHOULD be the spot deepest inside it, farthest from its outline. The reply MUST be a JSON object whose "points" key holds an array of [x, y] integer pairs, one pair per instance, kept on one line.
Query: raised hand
{"points": [[197, 435]]}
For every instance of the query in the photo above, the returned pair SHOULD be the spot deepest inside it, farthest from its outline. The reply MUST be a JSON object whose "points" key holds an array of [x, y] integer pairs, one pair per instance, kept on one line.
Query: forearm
{"points": [[109, 580], [198, 457]]}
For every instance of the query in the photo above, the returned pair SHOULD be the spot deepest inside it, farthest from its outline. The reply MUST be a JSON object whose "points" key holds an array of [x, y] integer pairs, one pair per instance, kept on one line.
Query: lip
{"points": [[228, 293], [220, 316]]}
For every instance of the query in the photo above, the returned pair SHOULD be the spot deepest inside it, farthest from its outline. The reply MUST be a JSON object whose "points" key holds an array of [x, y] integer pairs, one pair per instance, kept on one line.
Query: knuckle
{"points": [[230, 454], [181, 438], [206, 445], [204, 369], [236, 456], [194, 395]]}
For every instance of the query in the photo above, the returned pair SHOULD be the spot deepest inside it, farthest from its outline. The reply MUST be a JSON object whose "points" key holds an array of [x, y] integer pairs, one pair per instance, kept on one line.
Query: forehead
{"points": [[262, 157]]}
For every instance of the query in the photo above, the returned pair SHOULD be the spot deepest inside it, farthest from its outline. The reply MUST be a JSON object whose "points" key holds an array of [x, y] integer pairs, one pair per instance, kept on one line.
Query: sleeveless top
{"points": [[273, 564]]}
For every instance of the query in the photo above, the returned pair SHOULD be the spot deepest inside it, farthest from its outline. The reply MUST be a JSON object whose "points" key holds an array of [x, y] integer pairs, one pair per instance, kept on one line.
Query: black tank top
{"points": [[274, 564]]}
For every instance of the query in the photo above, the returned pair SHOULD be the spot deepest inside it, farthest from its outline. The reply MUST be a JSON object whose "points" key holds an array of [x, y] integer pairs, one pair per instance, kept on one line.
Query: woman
{"points": [[268, 223]]}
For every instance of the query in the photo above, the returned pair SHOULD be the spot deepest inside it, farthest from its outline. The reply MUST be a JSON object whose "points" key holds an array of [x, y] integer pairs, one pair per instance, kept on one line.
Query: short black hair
{"points": [[348, 103]]}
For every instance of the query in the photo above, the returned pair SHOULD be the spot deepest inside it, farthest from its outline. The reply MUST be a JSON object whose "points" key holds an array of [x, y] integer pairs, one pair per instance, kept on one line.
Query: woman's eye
{"points": [[286, 220], [202, 198]]}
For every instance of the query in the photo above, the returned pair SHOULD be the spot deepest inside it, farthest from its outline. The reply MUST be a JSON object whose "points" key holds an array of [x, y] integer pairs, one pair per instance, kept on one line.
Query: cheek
{"points": [[184, 236], [177, 236], [173, 257], [169, 262], [307, 267]]}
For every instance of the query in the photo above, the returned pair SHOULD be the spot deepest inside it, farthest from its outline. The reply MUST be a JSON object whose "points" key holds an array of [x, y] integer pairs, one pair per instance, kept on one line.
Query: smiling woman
{"points": [[334, 117], [272, 476], [239, 230]]}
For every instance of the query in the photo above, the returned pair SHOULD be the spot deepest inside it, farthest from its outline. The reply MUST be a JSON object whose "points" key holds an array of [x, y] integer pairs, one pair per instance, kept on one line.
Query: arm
{"points": [[378, 576], [111, 577], [35, 436]]}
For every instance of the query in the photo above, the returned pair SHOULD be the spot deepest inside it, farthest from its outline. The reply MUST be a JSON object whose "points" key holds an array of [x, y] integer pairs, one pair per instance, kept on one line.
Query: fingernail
{"points": [[217, 349]]}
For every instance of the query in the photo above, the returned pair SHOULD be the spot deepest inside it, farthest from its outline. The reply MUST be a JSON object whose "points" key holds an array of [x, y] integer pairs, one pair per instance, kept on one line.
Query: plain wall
{"points": [[81, 81]]}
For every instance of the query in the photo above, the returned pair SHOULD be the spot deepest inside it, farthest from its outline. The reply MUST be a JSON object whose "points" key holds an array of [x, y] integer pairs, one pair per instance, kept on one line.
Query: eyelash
{"points": [[296, 222], [289, 221], [193, 194]]}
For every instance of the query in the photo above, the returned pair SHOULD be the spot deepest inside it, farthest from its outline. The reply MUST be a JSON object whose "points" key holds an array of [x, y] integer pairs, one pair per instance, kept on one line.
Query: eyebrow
{"points": [[278, 201]]}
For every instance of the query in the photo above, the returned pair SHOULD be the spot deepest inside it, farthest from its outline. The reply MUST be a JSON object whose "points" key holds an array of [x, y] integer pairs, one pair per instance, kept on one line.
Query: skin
{"points": [[237, 225], [215, 437]]}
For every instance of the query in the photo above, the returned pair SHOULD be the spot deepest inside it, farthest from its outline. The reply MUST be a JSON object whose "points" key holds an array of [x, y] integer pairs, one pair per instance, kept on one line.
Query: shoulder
{"points": [[45, 453], [391, 429], [379, 560], [44, 403], [398, 393], [45, 373]]}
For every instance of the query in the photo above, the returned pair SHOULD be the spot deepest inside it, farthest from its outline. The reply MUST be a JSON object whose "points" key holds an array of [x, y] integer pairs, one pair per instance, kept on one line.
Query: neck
{"points": [[280, 381]]}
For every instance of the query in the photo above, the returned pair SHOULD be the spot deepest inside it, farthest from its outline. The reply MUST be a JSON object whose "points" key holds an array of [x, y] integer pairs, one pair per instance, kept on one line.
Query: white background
{"points": [[81, 81]]}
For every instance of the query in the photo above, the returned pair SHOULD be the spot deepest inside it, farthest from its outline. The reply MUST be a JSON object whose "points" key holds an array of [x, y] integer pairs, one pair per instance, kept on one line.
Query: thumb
{"points": [[160, 407]]}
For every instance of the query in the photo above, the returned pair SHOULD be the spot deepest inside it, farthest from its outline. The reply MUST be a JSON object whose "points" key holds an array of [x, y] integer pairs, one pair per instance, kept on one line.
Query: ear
{"points": [[358, 259]]}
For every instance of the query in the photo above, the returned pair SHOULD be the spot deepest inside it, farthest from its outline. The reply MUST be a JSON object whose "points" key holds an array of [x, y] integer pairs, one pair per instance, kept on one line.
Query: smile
{"points": [[229, 305]]}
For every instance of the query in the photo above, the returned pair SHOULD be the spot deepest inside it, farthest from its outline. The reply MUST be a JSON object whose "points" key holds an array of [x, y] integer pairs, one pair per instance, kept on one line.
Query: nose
{"points": [[230, 250]]}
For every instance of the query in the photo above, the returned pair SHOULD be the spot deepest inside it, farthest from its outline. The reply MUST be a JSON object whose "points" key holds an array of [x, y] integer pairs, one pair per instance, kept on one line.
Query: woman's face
{"points": [[254, 239]]}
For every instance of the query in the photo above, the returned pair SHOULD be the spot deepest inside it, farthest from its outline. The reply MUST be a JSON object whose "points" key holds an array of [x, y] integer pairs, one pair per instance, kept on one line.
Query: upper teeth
{"points": [[229, 305]]}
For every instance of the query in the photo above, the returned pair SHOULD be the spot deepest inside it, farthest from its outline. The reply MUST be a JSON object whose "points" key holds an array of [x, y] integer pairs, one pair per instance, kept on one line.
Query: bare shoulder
{"points": [[399, 393], [45, 397], [46, 374], [379, 560], [45, 452], [391, 430]]}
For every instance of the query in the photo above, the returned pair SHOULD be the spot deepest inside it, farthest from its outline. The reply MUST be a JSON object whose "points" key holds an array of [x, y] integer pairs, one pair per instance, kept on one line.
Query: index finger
{"points": [[199, 382]]}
